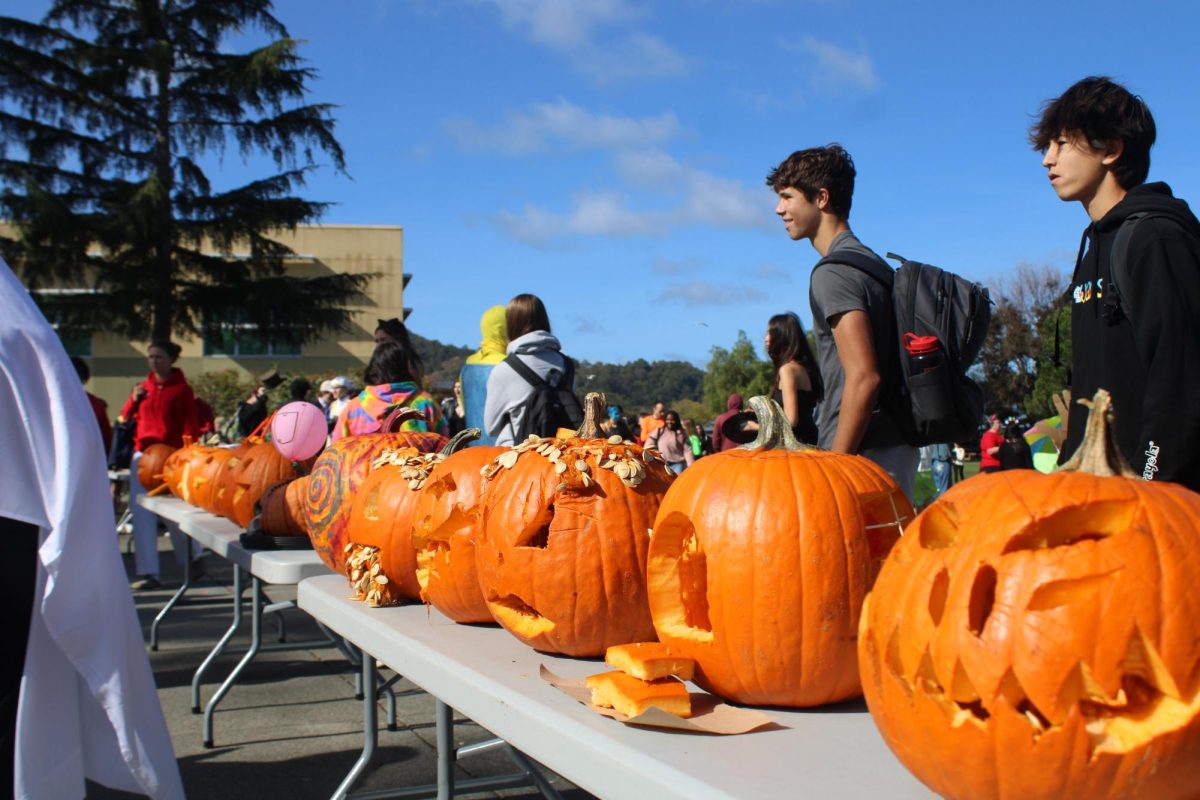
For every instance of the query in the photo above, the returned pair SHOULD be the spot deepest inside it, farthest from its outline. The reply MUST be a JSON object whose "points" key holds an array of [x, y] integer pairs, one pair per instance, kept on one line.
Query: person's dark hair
{"points": [[394, 328], [672, 416], [808, 171], [1101, 111], [392, 363], [525, 313], [81, 369], [167, 346], [300, 388], [788, 343], [1013, 433]]}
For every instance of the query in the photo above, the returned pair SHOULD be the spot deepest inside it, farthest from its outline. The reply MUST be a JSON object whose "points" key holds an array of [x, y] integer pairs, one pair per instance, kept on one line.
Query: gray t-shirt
{"points": [[835, 289]]}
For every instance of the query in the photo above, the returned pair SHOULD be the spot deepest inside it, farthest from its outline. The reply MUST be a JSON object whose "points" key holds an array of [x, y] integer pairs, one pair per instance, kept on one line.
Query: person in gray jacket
{"points": [[508, 393]]}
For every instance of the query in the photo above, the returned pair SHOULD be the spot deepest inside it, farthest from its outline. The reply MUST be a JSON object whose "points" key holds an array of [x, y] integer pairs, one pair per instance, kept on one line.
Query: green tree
{"points": [[110, 109], [737, 370], [1012, 354], [1053, 363]]}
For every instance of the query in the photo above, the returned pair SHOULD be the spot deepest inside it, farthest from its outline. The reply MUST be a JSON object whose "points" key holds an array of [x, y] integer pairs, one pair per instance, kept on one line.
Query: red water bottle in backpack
{"points": [[924, 353]]}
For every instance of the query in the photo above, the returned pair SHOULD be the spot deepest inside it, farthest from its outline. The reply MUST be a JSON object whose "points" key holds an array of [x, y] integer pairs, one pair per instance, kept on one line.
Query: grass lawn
{"points": [[923, 490]]}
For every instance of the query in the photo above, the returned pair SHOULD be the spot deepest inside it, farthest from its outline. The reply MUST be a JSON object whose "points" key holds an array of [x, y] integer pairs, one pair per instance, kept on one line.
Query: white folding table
{"points": [[273, 567], [490, 677]]}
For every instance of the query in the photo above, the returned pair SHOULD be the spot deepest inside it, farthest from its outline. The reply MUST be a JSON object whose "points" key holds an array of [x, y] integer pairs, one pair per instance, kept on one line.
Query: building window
{"points": [[233, 336], [76, 341]]}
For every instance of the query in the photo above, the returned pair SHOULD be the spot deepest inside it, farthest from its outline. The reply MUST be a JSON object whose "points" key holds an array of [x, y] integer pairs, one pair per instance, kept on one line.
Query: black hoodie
{"points": [[1148, 354]]}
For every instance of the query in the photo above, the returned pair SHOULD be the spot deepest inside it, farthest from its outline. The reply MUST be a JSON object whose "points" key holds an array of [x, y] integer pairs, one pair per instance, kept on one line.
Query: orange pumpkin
{"points": [[562, 539], [337, 474], [257, 470], [446, 515], [281, 508], [223, 492], [150, 466], [760, 560], [202, 478], [1035, 636], [178, 467]]}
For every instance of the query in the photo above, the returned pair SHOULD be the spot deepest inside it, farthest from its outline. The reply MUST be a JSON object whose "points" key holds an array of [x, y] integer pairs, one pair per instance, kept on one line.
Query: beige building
{"points": [[118, 363]]}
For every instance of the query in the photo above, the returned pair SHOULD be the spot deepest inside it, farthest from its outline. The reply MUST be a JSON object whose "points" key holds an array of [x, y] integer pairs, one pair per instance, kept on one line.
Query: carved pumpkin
{"points": [[258, 469], [150, 466], [281, 508], [337, 474], [177, 468], [445, 518], [197, 469], [760, 560], [222, 503], [562, 539], [381, 560], [1035, 636]]}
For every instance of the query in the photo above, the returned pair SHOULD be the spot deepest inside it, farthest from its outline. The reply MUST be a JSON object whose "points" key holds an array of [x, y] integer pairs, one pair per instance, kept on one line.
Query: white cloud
{"points": [[587, 324], [566, 125], [561, 24], [705, 293], [705, 198], [838, 67], [599, 214], [579, 31]]}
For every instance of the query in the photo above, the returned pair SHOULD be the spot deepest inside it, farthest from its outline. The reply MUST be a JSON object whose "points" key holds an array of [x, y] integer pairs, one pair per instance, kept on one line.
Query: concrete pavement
{"points": [[291, 727]]}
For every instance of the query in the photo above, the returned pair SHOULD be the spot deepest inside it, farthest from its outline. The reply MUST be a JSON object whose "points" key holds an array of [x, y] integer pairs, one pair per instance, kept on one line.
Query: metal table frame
{"points": [[266, 567]]}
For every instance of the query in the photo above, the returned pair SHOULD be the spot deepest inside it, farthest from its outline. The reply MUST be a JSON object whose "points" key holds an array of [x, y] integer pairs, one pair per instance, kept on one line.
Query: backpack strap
{"points": [[1118, 267], [523, 369], [874, 266]]}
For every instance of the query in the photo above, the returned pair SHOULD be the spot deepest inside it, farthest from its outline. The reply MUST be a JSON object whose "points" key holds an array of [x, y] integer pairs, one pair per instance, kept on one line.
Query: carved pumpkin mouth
{"points": [[1147, 705], [680, 570], [518, 616]]}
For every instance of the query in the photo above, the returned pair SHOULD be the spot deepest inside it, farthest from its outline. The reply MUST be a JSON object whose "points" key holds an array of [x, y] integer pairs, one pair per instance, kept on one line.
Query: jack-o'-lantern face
{"points": [[1037, 636], [563, 536], [443, 533]]}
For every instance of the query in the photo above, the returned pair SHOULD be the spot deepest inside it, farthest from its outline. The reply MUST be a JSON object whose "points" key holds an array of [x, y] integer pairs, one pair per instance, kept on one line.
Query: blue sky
{"points": [[610, 155]]}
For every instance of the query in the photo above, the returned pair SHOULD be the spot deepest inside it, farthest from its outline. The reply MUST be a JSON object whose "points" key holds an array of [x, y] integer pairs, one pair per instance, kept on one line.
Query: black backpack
{"points": [[549, 407], [941, 322], [1118, 259]]}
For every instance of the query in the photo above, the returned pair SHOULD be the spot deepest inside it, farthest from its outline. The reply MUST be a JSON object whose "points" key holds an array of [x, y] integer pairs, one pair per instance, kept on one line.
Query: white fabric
{"points": [[88, 704]]}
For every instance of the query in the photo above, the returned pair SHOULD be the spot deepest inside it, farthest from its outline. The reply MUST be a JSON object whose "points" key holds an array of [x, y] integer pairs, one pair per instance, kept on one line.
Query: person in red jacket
{"points": [[99, 407], [165, 410], [989, 446]]}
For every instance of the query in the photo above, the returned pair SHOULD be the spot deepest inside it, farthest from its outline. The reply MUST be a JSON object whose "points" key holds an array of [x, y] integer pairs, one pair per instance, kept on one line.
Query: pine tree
{"points": [[108, 109]]}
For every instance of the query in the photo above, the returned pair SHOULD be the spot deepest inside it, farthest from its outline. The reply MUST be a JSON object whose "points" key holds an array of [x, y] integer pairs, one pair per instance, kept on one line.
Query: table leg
{"points": [[187, 582], [255, 643], [224, 642], [444, 716], [370, 731]]}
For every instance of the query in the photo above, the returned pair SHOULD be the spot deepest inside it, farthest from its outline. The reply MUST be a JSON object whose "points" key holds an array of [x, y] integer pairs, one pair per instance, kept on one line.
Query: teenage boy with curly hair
{"points": [[1139, 339], [852, 313]]}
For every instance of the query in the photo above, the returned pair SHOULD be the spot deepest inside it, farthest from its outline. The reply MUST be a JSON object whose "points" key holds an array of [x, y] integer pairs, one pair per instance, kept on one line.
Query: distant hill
{"points": [[442, 362], [635, 385]]}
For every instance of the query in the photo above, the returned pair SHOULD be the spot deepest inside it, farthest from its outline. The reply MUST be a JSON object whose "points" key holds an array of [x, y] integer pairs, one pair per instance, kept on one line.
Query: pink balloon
{"points": [[298, 430]]}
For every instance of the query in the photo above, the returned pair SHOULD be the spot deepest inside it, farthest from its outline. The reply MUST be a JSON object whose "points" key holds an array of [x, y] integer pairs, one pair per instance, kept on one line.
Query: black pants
{"points": [[18, 579]]}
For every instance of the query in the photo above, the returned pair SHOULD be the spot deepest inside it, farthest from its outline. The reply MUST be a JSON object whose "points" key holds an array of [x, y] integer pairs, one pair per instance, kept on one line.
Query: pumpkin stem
{"points": [[1099, 453], [460, 440], [594, 409], [393, 421], [774, 430]]}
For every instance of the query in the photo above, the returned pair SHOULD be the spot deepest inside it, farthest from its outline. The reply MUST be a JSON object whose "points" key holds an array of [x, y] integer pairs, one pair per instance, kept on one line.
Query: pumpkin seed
{"points": [[581, 465], [614, 439], [560, 468], [507, 460]]}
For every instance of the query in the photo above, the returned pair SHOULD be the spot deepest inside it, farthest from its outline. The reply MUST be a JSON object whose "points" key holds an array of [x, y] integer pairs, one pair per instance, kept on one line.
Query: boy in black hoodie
{"points": [[1141, 341]]}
